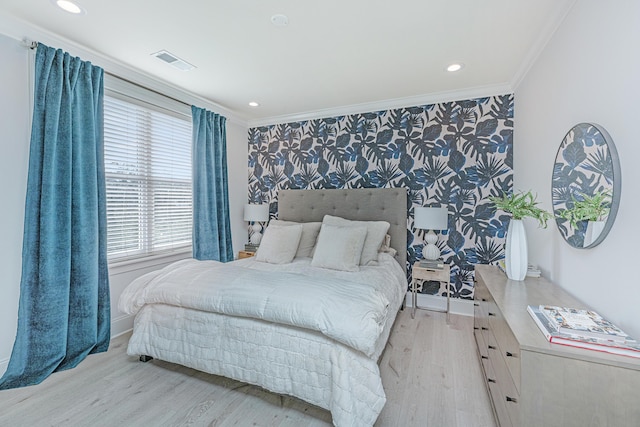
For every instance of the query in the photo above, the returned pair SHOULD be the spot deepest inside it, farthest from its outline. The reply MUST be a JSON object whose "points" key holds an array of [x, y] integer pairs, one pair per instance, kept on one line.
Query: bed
{"points": [[329, 360]]}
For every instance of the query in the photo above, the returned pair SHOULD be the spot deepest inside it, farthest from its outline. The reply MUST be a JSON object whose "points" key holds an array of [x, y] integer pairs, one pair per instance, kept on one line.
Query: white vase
{"points": [[516, 251], [594, 228]]}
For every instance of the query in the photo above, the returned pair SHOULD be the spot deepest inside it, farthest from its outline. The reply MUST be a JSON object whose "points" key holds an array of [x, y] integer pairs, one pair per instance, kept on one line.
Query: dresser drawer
{"points": [[499, 405], [478, 315], [508, 393], [496, 394], [245, 254], [481, 293], [480, 303], [506, 342], [481, 343], [441, 275]]}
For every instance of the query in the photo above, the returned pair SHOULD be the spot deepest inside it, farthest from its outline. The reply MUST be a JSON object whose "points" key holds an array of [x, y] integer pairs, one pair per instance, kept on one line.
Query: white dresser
{"points": [[535, 383]]}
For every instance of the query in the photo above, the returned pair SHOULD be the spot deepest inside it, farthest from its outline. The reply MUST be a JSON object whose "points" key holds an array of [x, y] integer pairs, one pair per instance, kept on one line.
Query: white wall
{"points": [[237, 155], [14, 125], [589, 72], [15, 112]]}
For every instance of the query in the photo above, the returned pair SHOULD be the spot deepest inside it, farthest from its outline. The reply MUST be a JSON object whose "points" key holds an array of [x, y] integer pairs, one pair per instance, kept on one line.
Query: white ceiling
{"points": [[333, 55]]}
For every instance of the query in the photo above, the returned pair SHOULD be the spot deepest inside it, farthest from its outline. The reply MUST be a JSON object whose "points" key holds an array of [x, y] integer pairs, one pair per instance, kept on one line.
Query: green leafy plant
{"points": [[521, 205], [590, 208]]}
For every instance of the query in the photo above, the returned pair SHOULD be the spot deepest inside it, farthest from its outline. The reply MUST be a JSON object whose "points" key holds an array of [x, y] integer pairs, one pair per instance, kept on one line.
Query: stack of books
{"points": [[532, 270], [583, 329], [248, 247], [437, 264]]}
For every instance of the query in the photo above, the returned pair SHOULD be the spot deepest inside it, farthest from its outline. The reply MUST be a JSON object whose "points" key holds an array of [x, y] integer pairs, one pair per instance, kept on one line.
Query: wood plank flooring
{"points": [[430, 373]]}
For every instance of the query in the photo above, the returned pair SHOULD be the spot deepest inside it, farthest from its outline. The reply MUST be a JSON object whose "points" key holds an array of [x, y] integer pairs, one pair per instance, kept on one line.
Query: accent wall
{"points": [[453, 154]]}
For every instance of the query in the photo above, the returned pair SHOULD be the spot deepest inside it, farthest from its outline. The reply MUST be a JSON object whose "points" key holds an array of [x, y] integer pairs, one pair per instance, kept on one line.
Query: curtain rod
{"points": [[29, 44], [146, 88], [32, 45]]}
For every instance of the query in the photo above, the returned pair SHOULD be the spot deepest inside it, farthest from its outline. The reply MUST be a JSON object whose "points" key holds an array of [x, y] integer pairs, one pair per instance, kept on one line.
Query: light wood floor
{"points": [[430, 373]]}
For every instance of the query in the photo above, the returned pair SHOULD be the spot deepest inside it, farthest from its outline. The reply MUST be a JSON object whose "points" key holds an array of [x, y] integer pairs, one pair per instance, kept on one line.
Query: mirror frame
{"points": [[616, 184]]}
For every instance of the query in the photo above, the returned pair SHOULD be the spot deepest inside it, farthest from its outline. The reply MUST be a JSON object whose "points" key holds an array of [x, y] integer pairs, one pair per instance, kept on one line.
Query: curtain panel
{"points": [[64, 308], [211, 224]]}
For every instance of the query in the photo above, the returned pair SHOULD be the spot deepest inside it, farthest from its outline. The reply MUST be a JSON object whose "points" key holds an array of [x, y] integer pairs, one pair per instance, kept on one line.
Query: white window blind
{"points": [[148, 177]]}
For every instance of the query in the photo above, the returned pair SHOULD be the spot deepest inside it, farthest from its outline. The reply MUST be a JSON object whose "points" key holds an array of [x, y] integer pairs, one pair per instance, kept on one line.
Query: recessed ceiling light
{"points": [[69, 6], [455, 67], [280, 20], [253, 104]]}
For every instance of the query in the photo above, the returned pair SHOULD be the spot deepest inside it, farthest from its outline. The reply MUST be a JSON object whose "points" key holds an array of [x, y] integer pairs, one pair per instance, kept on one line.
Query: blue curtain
{"points": [[64, 309], [211, 226]]}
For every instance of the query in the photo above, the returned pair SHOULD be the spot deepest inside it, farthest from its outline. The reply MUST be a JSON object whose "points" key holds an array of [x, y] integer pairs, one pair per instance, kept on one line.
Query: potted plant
{"points": [[519, 205], [593, 209]]}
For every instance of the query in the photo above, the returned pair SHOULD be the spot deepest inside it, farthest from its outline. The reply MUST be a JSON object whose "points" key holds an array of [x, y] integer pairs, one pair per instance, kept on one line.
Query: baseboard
{"points": [[463, 307], [121, 325]]}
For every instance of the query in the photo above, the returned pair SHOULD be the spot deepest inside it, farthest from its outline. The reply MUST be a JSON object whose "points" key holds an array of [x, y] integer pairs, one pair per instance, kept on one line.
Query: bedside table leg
{"points": [[414, 299], [448, 296]]}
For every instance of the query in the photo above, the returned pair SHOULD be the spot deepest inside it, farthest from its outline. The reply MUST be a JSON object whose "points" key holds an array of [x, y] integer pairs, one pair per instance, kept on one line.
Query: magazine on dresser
{"points": [[581, 322], [628, 347]]}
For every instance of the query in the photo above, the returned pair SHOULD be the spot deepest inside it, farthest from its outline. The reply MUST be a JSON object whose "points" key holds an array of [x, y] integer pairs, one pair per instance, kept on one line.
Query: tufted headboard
{"points": [[363, 204]]}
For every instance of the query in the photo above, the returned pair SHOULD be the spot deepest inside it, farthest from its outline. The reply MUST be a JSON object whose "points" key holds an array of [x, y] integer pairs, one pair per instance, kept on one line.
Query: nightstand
{"points": [[245, 254], [423, 274]]}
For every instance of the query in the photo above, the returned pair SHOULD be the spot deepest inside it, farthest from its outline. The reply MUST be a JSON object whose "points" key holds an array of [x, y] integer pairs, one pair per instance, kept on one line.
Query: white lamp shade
{"points": [[431, 218], [257, 213]]}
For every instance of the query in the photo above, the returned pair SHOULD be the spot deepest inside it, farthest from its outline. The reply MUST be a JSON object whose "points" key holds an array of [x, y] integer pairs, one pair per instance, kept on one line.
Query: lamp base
{"points": [[256, 235], [255, 239], [430, 251]]}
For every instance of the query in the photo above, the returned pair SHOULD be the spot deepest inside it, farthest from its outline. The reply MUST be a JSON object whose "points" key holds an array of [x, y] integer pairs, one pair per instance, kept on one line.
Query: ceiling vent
{"points": [[173, 60]]}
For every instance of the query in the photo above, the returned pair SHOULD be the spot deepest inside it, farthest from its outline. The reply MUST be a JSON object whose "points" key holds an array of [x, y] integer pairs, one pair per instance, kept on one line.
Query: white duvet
{"points": [[349, 312], [295, 329]]}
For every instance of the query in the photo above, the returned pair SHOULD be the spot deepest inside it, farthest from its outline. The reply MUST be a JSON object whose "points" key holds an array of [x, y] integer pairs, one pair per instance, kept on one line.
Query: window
{"points": [[148, 177]]}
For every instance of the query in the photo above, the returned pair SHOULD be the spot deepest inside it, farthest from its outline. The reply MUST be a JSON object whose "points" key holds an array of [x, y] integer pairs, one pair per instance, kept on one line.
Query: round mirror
{"points": [[585, 187]]}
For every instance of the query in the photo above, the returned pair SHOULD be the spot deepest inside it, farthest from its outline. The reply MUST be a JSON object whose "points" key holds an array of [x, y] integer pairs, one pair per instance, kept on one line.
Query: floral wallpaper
{"points": [[454, 154]]}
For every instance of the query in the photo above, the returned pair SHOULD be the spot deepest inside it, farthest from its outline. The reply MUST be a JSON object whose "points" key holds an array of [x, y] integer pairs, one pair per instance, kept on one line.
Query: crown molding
{"points": [[388, 104], [545, 36], [22, 30]]}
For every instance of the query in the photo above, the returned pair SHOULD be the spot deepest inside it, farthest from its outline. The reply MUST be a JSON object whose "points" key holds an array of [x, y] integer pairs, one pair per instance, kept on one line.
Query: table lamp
{"points": [[431, 219], [256, 214]]}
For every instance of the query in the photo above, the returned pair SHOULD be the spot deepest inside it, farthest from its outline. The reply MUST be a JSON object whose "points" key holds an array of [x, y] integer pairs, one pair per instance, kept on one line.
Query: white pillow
{"points": [[308, 239], [339, 248], [279, 244], [376, 230]]}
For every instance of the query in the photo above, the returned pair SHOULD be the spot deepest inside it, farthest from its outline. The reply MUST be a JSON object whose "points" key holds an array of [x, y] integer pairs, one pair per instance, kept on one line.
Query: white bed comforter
{"points": [[284, 359], [349, 312]]}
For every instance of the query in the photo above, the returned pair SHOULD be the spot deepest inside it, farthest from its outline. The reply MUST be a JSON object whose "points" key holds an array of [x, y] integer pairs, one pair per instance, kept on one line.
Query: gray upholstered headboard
{"points": [[368, 204]]}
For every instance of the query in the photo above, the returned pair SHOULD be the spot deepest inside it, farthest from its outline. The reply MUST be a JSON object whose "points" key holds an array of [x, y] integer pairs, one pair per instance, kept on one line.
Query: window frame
{"points": [[131, 93]]}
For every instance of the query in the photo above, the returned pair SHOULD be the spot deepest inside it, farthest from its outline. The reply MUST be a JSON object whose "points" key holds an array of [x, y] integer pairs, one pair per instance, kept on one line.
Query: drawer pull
{"points": [[484, 299], [484, 329], [491, 347], [491, 314], [491, 380], [476, 304], [512, 399], [484, 357], [509, 354], [475, 328]]}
